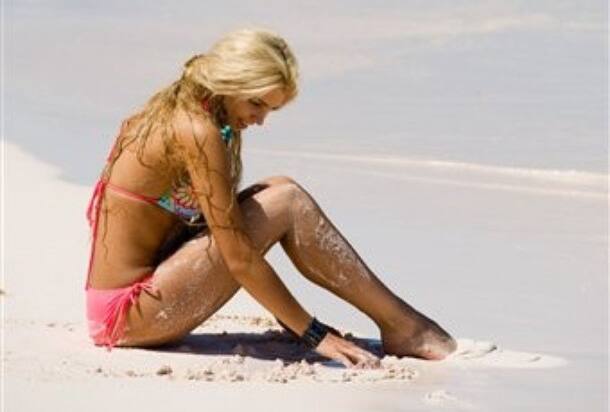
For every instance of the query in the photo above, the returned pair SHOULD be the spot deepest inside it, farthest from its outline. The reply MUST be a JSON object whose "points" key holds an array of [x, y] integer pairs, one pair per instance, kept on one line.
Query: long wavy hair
{"points": [[243, 64]]}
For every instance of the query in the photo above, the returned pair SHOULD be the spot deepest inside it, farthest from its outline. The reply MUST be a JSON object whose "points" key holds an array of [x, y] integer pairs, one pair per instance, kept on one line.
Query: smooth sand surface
{"points": [[518, 275]]}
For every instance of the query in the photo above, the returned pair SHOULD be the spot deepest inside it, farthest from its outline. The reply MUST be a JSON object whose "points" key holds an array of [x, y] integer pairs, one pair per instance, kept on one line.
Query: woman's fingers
{"points": [[347, 353], [345, 360], [369, 358], [366, 359]]}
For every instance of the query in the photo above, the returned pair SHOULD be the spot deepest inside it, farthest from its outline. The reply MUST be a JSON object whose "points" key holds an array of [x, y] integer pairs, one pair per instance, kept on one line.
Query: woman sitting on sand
{"points": [[173, 239]]}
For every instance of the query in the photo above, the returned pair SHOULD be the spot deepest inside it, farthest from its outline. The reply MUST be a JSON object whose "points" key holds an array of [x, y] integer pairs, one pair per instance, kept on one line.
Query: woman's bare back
{"points": [[131, 232]]}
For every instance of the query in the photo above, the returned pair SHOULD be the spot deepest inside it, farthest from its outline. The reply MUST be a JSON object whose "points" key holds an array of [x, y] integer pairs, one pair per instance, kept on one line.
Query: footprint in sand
{"points": [[442, 398], [470, 349], [488, 354]]}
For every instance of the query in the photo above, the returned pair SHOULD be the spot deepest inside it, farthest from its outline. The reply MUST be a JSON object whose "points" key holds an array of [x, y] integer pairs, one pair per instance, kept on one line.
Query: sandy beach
{"points": [[460, 147], [505, 261]]}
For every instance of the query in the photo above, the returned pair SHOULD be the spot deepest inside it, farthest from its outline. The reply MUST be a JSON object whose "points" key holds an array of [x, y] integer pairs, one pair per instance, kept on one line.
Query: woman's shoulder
{"points": [[194, 126]]}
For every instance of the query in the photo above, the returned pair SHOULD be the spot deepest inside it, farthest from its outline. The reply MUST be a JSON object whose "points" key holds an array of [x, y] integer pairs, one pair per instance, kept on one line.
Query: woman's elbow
{"points": [[239, 256], [240, 265]]}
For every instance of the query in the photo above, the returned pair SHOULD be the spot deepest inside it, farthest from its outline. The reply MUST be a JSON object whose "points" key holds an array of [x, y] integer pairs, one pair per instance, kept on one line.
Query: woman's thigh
{"points": [[193, 283]]}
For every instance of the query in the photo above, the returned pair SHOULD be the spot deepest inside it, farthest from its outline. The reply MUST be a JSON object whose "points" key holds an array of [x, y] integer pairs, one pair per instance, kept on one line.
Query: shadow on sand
{"points": [[270, 345]]}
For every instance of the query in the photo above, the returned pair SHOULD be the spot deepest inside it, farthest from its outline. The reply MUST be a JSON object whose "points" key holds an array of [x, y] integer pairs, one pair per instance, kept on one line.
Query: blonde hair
{"points": [[245, 63]]}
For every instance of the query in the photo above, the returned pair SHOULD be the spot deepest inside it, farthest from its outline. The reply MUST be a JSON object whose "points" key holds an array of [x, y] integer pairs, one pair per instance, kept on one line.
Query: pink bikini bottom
{"points": [[107, 310]]}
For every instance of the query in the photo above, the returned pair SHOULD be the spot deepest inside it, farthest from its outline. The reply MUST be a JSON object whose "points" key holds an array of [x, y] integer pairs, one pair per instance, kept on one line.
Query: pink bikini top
{"points": [[178, 200]]}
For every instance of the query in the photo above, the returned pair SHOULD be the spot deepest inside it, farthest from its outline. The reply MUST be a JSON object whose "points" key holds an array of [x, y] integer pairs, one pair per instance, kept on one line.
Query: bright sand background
{"points": [[460, 146], [500, 258]]}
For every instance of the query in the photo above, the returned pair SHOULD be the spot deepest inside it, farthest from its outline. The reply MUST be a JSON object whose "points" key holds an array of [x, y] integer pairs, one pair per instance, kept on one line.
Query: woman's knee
{"points": [[279, 205], [279, 181], [288, 184], [296, 202], [273, 182]]}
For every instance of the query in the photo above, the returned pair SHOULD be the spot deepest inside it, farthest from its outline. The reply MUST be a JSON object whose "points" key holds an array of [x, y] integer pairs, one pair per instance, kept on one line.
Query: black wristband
{"points": [[314, 333]]}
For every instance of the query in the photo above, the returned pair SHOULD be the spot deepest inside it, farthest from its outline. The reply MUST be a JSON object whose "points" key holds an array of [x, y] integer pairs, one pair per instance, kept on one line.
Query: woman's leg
{"points": [[326, 258], [194, 283]]}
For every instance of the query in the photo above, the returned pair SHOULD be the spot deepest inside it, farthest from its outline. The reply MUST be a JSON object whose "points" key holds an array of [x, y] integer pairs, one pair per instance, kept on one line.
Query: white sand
{"points": [[238, 359]]}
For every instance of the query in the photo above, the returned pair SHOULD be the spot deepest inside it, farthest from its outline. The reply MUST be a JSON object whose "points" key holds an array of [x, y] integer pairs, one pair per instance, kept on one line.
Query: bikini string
{"points": [[93, 216], [94, 207], [116, 312]]}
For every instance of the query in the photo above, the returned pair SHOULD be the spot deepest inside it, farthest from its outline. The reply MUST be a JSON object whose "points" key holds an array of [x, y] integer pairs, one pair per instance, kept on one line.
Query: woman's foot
{"points": [[419, 337]]}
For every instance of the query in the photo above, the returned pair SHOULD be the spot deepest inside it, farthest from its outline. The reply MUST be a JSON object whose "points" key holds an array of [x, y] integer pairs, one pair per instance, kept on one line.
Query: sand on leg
{"points": [[194, 283], [324, 256]]}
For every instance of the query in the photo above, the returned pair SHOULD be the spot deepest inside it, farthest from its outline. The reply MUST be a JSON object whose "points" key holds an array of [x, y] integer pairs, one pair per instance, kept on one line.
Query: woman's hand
{"points": [[346, 352]]}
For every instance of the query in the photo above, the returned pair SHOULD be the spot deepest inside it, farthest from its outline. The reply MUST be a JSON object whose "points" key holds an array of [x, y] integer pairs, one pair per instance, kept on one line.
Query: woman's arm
{"points": [[207, 161]]}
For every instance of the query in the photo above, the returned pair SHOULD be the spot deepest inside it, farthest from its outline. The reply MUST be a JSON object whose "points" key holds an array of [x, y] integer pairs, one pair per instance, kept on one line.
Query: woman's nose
{"points": [[260, 119]]}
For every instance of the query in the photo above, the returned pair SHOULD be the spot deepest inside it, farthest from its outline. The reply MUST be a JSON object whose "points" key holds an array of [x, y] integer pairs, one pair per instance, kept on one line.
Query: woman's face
{"points": [[245, 112]]}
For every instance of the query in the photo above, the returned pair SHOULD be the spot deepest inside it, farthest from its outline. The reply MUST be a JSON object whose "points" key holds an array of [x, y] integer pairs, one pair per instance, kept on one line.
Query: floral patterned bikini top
{"points": [[179, 200]]}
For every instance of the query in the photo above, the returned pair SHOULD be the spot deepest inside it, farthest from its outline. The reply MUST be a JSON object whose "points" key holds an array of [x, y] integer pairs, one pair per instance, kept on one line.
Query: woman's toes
{"points": [[430, 342]]}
